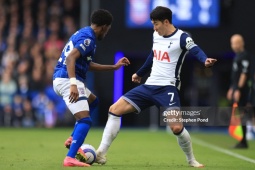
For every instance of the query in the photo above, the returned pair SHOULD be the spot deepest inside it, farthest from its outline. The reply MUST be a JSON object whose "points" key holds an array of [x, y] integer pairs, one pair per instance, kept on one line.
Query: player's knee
{"points": [[117, 109], [176, 128], [113, 109]]}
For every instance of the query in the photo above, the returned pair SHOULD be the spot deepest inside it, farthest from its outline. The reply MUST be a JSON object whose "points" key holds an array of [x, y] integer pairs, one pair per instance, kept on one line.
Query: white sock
{"points": [[185, 143], [110, 132]]}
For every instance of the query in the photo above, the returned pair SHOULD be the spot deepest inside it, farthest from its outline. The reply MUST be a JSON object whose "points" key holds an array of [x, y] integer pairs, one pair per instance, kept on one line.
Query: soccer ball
{"points": [[90, 152]]}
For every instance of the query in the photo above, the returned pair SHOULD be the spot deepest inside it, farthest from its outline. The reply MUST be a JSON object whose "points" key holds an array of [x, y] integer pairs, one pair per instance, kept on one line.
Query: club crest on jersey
{"points": [[81, 91], [161, 55], [170, 44], [87, 42]]}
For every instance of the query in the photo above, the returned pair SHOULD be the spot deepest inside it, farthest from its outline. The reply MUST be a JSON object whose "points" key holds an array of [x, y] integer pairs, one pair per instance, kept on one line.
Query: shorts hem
{"points": [[132, 103]]}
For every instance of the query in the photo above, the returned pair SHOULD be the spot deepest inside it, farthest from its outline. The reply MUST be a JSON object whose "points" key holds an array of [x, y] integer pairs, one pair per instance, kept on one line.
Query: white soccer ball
{"points": [[90, 152]]}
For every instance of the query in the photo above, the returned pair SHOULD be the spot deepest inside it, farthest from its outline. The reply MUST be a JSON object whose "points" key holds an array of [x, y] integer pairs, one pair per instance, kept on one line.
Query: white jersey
{"points": [[169, 53]]}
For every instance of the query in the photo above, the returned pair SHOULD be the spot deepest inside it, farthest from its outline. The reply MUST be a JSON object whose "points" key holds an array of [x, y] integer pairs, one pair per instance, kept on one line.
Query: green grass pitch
{"points": [[43, 149]]}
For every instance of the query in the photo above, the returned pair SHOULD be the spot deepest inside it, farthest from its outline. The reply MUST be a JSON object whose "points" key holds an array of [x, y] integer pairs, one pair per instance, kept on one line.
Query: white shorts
{"points": [[61, 87]]}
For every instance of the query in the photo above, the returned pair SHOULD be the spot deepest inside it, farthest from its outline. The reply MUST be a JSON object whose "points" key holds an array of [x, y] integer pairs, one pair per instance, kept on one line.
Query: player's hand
{"points": [[237, 95], [210, 62], [122, 62], [229, 94], [136, 78], [74, 94]]}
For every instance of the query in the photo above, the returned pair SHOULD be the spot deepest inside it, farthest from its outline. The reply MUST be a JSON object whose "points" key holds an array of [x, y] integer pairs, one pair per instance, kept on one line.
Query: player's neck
{"points": [[170, 30], [95, 29]]}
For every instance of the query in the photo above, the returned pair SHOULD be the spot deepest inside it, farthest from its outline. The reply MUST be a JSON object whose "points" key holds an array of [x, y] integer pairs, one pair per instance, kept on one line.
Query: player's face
{"points": [[237, 44], [160, 27], [103, 32]]}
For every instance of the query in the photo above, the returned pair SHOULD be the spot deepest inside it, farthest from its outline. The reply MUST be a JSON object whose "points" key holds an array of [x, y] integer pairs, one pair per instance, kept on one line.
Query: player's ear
{"points": [[103, 28]]}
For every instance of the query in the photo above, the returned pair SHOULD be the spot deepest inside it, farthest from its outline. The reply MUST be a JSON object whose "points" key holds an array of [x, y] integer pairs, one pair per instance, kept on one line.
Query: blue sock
{"points": [[80, 132], [74, 128], [92, 107]]}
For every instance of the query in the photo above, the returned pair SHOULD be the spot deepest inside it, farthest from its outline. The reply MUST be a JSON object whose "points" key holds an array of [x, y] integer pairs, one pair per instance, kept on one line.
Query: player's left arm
{"points": [[70, 65], [243, 77], [100, 67], [188, 44]]}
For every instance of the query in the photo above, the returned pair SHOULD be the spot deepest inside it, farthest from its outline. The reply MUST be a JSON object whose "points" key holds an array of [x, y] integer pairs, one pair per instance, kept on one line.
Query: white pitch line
{"points": [[213, 147]]}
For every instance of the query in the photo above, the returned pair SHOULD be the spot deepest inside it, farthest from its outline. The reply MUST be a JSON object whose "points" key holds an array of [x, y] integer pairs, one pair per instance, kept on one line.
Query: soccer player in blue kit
{"points": [[170, 45], [70, 75]]}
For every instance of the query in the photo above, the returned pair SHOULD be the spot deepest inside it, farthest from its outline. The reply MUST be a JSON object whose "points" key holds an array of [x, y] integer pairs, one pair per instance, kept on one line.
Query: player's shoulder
{"points": [[85, 33]]}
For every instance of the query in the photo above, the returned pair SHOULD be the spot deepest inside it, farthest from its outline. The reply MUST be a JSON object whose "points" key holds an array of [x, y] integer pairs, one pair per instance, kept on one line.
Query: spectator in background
{"points": [[69, 27], [8, 88], [23, 62], [40, 103], [10, 56], [29, 115], [31, 40], [7, 115], [23, 88], [239, 89], [17, 111]]}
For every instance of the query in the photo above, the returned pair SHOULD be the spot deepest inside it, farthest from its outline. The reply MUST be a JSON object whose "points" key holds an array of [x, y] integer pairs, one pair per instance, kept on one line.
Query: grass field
{"points": [[42, 149]]}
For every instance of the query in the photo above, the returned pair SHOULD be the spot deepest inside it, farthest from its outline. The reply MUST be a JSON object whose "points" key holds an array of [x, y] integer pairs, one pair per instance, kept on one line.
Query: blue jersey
{"points": [[83, 40]]}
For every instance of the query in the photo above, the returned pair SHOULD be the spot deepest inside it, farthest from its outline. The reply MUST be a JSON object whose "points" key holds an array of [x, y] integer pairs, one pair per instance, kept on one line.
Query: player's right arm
{"points": [[70, 65], [136, 78], [188, 44], [100, 67]]}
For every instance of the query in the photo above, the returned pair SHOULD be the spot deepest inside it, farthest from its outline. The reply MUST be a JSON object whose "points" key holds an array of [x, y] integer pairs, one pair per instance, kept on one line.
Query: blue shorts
{"points": [[144, 96]]}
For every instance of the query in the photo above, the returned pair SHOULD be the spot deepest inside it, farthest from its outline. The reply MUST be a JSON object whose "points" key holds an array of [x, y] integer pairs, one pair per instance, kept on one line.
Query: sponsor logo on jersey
{"points": [[87, 42], [89, 58], [161, 55], [83, 47]]}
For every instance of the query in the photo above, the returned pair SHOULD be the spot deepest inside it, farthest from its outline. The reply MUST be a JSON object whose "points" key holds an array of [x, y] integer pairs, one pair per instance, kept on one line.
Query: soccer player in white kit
{"points": [[70, 75], [170, 45]]}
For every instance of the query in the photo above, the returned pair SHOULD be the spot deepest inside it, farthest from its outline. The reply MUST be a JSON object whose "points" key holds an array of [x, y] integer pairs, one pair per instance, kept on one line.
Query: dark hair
{"points": [[101, 17], [161, 13]]}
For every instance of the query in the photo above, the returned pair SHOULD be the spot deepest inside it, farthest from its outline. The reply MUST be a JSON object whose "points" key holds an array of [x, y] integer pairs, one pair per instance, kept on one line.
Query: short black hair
{"points": [[101, 17], [161, 13]]}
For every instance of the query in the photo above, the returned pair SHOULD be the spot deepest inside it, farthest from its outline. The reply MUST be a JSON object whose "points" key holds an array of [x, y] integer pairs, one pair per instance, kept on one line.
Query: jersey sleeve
{"points": [[146, 66], [187, 43], [245, 66], [85, 45]]}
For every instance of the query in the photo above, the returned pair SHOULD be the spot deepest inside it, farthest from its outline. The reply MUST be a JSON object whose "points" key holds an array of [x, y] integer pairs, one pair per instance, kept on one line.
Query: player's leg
{"points": [[112, 127], [133, 101], [93, 102], [184, 141], [243, 144], [80, 110], [169, 100]]}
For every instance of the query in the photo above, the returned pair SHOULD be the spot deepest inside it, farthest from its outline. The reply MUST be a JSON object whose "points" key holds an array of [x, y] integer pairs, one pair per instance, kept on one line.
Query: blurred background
{"points": [[34, 32]]}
